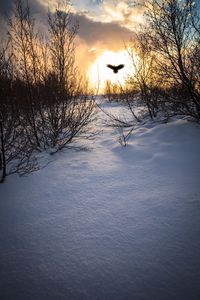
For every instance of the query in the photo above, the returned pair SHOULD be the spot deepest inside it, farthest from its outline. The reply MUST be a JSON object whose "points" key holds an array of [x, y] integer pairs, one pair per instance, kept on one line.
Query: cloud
{"points": [[96, 37], [110, 35], [6, 6], [37, 10], [125, 13]]}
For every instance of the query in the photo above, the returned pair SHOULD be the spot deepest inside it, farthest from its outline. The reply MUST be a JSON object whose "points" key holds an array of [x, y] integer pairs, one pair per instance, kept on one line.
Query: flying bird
{"points": [[115, 68]]}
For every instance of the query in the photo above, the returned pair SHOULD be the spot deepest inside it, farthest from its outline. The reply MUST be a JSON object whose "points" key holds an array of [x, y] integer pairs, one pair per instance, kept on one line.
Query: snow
{"points": [[108, 223]]}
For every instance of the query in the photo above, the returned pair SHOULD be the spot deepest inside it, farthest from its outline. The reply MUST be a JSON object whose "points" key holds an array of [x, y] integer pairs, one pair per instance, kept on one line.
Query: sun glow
{"points": [[99, 73]]}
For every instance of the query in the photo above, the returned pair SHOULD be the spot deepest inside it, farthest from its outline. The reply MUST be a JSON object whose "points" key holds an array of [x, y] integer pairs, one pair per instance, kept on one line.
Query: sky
{"points": [[104, 26]]}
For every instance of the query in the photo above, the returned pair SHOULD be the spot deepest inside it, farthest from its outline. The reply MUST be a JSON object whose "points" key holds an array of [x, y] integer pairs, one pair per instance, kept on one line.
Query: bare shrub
{"points": [[15, 150], [44, 102]]}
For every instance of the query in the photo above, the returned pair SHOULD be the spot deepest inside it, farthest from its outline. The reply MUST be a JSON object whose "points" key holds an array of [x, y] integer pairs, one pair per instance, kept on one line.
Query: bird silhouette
{"points": [[115, 68]]}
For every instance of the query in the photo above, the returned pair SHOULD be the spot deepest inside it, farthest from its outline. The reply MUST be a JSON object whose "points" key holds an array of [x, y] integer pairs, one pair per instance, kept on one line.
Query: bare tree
{"points": [[15, 151], [145, 82], [23, 37], [68, 107], [173, 39]]}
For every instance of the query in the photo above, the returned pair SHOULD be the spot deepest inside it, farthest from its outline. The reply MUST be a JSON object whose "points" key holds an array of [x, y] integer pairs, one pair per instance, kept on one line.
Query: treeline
{"points": [[43, 101], [166, 58]]}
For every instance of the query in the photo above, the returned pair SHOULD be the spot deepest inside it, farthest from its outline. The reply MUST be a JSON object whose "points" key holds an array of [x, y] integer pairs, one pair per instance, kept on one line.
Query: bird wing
{"points": [[111, 67], [119, 67]]}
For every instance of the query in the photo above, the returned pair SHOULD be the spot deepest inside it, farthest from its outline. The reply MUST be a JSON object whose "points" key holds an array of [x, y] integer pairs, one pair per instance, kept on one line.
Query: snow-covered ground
{"points": [[109, 223]]}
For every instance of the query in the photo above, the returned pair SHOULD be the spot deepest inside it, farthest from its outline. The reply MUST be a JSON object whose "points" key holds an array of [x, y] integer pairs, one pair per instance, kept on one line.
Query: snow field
{"points": [[108, 223]]}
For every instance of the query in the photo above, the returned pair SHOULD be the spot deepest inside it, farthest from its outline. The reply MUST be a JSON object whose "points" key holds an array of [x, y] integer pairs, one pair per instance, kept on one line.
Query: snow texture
{"points": [[109, 223]]}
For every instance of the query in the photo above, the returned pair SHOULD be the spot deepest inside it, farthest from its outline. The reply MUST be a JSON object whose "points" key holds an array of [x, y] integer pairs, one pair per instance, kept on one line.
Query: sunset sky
{"points": [[105, 27]]}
